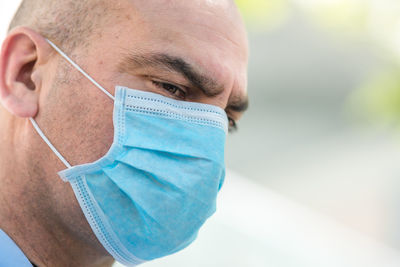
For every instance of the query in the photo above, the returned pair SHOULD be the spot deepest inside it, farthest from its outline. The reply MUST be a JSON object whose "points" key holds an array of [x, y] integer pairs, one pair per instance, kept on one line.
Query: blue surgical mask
{"points": [[158, 183]]}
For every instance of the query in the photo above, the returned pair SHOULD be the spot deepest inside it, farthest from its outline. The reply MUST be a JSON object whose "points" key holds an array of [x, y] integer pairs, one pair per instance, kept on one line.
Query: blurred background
{"points": [[313, 174]]}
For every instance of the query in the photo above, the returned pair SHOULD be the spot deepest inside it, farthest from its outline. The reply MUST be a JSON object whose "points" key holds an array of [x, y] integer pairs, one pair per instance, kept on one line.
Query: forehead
{"points": [[207, 33]]}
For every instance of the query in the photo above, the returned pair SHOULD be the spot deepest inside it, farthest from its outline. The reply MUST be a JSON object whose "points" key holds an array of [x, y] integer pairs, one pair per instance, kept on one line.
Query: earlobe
{"points": [[22, 53]]}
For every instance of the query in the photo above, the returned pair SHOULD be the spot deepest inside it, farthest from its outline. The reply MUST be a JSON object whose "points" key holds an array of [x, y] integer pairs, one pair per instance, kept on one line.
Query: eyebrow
{"points": [[240, 106], [206, 84]]}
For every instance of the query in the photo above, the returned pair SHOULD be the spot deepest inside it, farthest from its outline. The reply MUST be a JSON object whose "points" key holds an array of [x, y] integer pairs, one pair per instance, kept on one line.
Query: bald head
{"points": [[69, 22]]}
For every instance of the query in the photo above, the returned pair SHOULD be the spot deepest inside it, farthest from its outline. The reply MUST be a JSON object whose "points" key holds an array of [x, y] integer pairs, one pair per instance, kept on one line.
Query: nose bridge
{"points": [[220, 100]]}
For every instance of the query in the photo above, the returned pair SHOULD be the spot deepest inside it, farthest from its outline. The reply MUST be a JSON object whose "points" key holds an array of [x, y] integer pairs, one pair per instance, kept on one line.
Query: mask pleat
{"points": [[159, 182], [175, 136]]}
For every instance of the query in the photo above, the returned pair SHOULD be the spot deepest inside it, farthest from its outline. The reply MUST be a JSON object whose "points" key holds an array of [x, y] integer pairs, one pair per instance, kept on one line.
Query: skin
{"points": [[39, 211]]}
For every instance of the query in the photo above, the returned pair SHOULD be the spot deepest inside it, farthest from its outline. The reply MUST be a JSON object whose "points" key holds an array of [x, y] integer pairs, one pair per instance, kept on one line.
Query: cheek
{"points": [[128, 80], [78, 121]]}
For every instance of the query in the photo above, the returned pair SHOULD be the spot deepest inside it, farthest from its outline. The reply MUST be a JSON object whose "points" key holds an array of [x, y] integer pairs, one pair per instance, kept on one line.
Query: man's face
{"points": [[193, 51], [188, 50]]}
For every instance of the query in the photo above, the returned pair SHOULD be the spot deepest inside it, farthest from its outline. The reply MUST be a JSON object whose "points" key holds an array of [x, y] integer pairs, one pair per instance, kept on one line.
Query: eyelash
{"points": [[232, 123], [172, 89]]}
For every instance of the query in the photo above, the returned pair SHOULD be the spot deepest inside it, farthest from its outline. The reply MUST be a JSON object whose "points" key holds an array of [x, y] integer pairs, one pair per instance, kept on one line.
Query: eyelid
{"points": [[232, 128], [161, 80], [162, 86]]}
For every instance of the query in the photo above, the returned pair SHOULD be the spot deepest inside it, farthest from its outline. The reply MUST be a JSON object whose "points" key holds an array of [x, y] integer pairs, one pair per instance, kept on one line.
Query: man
{"points": [[145, 83]]}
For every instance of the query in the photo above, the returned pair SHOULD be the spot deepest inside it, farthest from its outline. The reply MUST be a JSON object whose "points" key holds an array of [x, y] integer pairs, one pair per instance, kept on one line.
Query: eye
{"points": [[232, 125], [170, 88]]}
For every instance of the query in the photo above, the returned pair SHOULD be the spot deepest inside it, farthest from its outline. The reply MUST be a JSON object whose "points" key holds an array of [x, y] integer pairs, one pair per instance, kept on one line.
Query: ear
{"points": [[23, 53]]}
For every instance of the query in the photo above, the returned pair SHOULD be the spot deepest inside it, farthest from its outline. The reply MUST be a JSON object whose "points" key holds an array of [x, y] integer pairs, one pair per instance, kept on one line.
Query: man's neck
{"points": [[46, 243], [30, 216]]}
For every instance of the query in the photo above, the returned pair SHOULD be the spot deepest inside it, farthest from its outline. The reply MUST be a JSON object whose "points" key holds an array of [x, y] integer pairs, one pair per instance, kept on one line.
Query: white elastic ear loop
{"points": [[36, 126], [43, 136], [80, 69]]}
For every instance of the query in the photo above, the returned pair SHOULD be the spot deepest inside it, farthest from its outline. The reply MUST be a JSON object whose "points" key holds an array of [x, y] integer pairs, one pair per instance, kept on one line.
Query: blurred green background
{"points": [[371, 24], [323, 126]]}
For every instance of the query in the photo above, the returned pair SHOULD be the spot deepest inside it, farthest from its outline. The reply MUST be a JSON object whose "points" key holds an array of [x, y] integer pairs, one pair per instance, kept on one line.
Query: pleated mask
{"points": [[158, 184]]}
